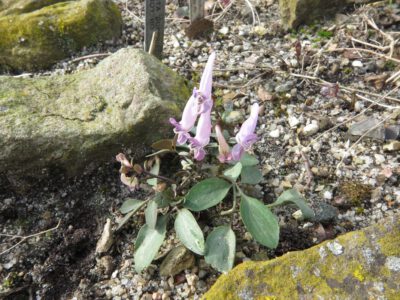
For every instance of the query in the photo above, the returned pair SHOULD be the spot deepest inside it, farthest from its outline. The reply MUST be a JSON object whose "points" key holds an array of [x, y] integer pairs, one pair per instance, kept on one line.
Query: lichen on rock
{"points": [[70, 121], [366, 267], [36, 34]]}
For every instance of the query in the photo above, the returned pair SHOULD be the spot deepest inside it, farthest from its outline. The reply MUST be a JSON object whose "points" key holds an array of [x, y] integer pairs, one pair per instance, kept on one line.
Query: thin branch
{"points": [[90, 56], [24, 238], [367, 51]]}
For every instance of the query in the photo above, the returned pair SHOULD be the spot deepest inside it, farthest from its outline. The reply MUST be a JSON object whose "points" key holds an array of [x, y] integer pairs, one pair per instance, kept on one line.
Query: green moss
{"points": [[355, 192], [390, 243], [316, 272], [38, 39], [325, 34]]}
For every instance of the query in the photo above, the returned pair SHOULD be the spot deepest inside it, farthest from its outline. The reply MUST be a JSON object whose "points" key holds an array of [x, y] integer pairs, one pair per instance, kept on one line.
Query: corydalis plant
{"points": [[197, 188]]}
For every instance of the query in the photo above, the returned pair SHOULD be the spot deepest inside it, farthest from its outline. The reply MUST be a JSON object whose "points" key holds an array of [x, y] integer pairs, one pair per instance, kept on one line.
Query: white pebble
{"points": [[274, 133], [328, 195], [311, 128], [357, 64]]}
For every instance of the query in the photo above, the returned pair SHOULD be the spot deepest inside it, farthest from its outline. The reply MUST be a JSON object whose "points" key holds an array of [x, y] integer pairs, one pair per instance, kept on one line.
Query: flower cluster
{"points": [[199, 106]]}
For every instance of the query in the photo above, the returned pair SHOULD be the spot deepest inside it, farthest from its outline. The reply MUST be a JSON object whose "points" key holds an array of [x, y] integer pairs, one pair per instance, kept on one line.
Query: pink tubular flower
{"points": [[123, 160], [198, 103], [202, 137], [223, 147], [189, 117], [246, 137]]}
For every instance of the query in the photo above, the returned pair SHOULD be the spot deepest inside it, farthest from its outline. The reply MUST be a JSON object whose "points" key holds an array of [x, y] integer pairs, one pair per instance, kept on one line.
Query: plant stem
{"points": [[233, 209], [158, 176]]}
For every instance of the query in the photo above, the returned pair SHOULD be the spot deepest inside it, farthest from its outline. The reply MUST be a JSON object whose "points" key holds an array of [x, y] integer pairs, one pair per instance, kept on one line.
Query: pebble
{"points": [[293, 121], [357, 64], [274, 133], [311, 128], [224, 30]]}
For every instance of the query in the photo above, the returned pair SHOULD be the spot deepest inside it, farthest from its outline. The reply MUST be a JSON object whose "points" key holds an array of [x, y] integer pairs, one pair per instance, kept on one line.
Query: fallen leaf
{"points": [[264, 95], [377, 80]]}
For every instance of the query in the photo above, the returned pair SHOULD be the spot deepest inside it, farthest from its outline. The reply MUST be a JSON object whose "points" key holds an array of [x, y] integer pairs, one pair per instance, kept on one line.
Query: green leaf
{"points": [[251, 175], [164, 198], [220, 248], [234, 172], [155, 169], [207, 193], [189, 232], [259, 221], [131, 204], [166, 144], [248, 160], [148, 243], [294, 197], [150, 214]]}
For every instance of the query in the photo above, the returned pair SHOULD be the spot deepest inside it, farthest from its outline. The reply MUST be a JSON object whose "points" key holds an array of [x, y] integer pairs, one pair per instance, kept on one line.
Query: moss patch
{"points": [[40, 37], [319, 272], [74, 120]]}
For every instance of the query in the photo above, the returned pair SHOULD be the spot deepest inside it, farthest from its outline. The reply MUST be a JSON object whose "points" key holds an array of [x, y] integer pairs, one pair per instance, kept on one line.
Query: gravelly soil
{"points": [[351, 184]]}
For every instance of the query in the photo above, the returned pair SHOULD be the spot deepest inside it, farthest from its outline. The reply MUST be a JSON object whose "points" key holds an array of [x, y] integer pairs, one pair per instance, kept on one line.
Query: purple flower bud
{"points": [[189, 117], [202, 137], [223, 147], [198, 103], [246, 137]]}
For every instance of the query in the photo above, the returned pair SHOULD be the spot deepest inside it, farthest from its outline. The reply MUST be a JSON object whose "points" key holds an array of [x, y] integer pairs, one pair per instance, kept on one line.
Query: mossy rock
{"points": [[71, 121], [36, 34], [363, 264], [299, 12]]}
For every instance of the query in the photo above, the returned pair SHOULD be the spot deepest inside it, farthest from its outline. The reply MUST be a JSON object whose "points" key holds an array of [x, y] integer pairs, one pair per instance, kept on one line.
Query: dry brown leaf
{"points": [[264, 95], [377, 80]]}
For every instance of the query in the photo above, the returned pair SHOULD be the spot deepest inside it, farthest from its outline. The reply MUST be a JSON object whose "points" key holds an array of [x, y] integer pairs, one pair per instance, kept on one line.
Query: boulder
{"points": [[300, 12], [69, 121], [37, 33], [363, 264]]}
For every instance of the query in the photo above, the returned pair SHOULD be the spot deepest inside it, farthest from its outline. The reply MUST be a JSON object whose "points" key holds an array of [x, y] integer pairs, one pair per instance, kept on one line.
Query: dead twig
{"points": [[90, 56], [24, 238], [366, 51]]}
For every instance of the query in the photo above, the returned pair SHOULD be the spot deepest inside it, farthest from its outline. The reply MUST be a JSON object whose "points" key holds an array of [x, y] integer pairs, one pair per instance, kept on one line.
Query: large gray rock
{"points": [[363, 264], [34, 34], [70, 121], [300, 12]]}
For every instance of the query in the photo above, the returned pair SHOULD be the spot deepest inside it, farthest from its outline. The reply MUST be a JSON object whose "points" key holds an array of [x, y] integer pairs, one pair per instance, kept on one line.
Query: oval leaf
{"points": [[234, 172], [131, 204], [251, 175], [166, 144], [259, 221], [248, 160], [220, 248], [189, 232], [150, 213], [155, 169], [293, 196], [148, 243], [207, 193]]}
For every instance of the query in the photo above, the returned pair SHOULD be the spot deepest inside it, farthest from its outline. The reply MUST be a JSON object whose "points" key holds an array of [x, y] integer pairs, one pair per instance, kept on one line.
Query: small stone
{"points": [[311, 128], [357, 64], [392, 146], [275, 133], [335, 248], [260, 30], [177, 260], [293, 121], [106, 239], [224, 30], [328, 195], [325, 213]]}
